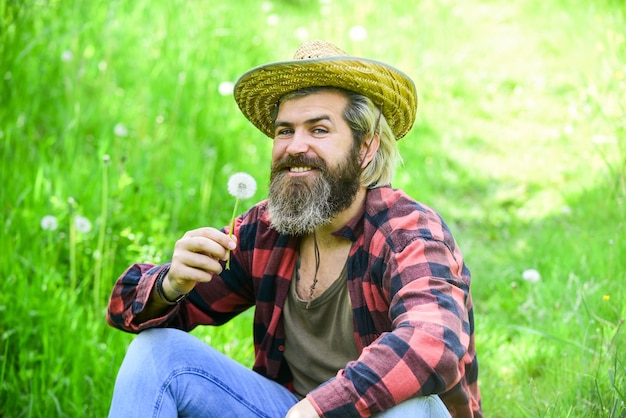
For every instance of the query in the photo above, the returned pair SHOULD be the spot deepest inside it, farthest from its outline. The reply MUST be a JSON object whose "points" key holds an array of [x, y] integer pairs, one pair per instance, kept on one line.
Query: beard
{"points": [[299, 205]]}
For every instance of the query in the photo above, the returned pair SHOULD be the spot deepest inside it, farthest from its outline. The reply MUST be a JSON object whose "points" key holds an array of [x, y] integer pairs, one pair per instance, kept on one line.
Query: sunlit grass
{"points": [[119, 113]]}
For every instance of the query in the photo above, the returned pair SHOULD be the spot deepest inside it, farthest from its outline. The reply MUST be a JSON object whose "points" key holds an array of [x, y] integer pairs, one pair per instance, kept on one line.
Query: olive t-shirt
{"points": [[319, 341]]}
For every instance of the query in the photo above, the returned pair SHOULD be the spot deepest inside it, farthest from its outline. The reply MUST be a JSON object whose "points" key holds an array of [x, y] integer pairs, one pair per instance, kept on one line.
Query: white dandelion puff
{"points": [[67, 56], [49, 223], [120, 130], [82, 224], [357, 33], [225, 88], [241, 185], [302, 34], [272, 20], [531, 275]]}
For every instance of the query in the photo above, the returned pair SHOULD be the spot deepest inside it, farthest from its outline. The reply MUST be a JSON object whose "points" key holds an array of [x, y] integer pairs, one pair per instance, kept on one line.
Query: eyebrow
{"points": [[311, 121]]}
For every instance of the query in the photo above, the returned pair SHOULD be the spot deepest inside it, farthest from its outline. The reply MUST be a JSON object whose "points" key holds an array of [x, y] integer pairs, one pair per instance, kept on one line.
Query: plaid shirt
{"points": [[410, 294]]}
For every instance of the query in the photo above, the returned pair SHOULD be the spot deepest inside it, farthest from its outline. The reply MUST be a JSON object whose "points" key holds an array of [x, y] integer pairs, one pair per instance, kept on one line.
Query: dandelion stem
{"points": [[230, 229]]}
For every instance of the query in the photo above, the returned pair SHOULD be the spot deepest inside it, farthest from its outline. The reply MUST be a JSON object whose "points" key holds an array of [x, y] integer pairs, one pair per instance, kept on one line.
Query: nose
{"points": [[298, 144]]}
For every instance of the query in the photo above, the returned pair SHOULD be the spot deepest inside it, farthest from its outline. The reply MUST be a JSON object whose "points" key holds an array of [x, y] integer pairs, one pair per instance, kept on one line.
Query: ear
{"points": [[369, 149]]}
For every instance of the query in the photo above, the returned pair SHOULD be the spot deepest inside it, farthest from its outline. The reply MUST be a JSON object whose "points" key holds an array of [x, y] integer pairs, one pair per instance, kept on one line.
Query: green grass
{"points": [[111, 111]]}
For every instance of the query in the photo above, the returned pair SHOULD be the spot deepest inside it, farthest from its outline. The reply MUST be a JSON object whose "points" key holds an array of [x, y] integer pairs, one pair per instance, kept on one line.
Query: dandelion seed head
{"points": [[302, 34], [67, 56], [531, 275], [82, 224], [226, 88], [120, 130], [49, 223], [357, 33], [241, 185], [272, 20]]}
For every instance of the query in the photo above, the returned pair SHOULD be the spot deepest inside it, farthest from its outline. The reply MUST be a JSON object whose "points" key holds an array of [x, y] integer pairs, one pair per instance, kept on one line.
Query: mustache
{"points": [[298, 161]]}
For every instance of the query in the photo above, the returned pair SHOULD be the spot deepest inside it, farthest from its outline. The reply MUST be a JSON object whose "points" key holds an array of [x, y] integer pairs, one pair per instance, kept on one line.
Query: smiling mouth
{"points": [[299, 169]]}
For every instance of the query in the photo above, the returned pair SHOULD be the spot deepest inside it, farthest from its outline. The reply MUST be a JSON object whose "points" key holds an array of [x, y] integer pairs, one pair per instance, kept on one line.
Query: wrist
{"points": [[164, 291]]}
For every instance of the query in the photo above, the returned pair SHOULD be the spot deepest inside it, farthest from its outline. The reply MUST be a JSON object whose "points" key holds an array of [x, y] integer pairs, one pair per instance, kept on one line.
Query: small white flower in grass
{"points": [[67, 56], [241, 186], [531, 275], [120, 130], [357, 33], [82, 224], [302, 34], [272, 20], [226, 88], [49, 223]]}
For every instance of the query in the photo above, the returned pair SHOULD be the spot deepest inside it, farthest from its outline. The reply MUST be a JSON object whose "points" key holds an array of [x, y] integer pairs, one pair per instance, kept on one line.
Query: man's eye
{"points": [[283, 132]]}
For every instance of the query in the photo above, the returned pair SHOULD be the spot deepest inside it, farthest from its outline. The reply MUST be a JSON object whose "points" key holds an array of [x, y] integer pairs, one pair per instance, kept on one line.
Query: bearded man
{"points": [[361, 294]]}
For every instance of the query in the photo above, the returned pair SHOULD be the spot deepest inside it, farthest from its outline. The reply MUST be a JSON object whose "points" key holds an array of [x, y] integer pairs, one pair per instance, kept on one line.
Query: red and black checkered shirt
{"points": [[410, 294]]}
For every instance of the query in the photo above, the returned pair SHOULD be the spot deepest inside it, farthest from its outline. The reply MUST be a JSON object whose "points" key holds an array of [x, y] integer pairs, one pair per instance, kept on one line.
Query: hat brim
{"points": [[257, 91]]}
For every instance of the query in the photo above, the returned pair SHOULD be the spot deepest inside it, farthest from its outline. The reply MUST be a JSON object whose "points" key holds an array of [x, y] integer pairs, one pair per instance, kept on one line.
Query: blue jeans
{"points": [[170, 373]]}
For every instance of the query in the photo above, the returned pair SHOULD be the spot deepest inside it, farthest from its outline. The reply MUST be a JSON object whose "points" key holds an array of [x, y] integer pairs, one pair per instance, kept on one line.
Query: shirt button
{"points": [[281, 348]]}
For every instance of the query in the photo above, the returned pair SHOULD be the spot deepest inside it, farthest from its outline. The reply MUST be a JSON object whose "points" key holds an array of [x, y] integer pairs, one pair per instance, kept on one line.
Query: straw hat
{"points": [[320, 63]]}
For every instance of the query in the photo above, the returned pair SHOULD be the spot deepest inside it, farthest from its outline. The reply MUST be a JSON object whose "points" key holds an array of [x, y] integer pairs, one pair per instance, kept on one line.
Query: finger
{"points": [[226, 241], [201, 245], [182, 273], [206, 263]]}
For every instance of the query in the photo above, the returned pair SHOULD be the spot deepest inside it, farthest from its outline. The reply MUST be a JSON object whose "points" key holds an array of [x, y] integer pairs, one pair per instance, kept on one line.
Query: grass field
{"points": [[118, 133]]}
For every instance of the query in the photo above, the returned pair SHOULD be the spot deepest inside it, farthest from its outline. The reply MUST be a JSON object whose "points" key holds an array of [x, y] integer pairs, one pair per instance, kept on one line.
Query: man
{"points": [[361, 295]]}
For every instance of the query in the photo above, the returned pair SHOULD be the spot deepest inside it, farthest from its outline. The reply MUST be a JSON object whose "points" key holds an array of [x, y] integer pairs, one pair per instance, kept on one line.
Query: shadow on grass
{"points": [[557, 341]]}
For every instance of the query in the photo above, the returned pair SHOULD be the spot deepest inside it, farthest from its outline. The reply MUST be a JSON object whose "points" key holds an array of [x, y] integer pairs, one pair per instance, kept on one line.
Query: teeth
{"points": [[299, 169]]}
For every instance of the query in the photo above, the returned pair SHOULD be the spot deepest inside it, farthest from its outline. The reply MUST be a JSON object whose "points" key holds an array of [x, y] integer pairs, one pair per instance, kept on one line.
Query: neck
{"points": [[324, 233], [315, 276]]}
